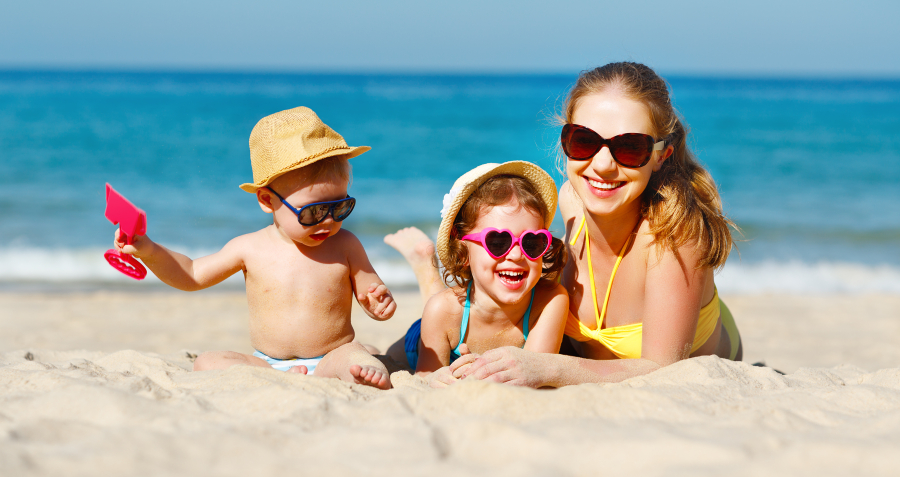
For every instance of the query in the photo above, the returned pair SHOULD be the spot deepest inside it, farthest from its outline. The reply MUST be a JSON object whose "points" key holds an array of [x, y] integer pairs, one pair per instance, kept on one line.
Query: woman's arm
{"points": [[520, 367], [674, 294]]}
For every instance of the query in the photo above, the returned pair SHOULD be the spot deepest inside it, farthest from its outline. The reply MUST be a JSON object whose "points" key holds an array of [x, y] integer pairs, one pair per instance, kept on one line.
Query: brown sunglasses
{"points": [[631, 150]]}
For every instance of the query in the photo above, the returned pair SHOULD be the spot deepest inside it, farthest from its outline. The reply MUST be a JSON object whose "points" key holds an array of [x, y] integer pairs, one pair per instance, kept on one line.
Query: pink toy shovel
{"points": [[132, 221]]}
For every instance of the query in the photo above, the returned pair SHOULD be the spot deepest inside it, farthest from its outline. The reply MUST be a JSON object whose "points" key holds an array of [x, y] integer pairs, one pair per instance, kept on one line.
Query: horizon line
{"points": [[461, 72]]}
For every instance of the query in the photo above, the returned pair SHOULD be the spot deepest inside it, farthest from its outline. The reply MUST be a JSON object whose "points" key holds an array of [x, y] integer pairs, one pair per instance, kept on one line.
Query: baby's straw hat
{"points": [[468, 182], [289, 140]]}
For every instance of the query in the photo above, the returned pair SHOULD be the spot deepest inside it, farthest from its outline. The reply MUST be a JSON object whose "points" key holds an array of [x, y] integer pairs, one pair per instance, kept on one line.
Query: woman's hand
{"points": [[508, 365], [441, 378], [466, 357]]}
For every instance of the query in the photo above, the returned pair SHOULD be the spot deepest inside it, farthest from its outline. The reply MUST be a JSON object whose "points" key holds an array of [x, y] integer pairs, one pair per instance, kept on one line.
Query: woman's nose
{"points": [[603, 161]]}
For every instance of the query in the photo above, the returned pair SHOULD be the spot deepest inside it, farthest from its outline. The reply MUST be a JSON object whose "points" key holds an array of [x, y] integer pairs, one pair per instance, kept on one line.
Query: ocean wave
{"points": [[64, 266], [60, 266], [813, 278]]}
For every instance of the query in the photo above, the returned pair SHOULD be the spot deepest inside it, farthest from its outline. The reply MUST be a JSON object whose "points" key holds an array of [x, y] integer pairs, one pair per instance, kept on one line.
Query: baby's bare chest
{"points": [[298, 275]]}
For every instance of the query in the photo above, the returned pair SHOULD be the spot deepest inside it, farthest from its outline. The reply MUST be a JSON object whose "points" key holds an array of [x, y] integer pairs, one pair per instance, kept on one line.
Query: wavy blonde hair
{"points": [[681, 201]]}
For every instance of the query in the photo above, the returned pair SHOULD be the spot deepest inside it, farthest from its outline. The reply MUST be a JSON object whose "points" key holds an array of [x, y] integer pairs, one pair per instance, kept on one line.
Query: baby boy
{"points": [[302, 271]]}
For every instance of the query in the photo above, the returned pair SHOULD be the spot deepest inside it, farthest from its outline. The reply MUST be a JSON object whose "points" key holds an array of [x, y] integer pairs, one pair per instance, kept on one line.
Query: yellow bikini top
{"points": [[625, 341]]}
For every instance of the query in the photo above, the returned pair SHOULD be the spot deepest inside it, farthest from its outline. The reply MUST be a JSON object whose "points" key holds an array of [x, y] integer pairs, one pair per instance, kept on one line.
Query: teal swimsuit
{"points": [[411, 342]]}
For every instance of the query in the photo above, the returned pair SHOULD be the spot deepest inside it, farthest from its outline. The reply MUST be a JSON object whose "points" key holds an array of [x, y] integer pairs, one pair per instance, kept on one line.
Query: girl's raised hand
{"points": [[377, 301]]}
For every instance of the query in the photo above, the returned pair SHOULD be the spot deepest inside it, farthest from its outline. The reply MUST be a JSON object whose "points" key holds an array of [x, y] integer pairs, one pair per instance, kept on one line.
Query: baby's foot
{"points": [[299, 370], [413, 244], [371, 376]]}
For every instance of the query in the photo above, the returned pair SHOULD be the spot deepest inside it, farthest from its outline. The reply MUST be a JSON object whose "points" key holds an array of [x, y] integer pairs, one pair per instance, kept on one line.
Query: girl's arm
{"points": [[437, 321], [179, 271], [371, 293], [547, 333]]}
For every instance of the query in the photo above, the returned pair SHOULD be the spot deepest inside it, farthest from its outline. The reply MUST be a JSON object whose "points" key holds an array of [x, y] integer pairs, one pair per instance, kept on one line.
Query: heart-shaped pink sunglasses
{"points": [[498, 243]]}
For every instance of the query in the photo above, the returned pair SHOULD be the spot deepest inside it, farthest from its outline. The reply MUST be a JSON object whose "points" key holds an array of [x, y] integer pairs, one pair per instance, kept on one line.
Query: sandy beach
{"points": [[99, 383]]}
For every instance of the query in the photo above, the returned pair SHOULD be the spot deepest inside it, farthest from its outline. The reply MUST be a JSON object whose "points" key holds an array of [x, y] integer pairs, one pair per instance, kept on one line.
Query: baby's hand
{"points": [[138, 242], [377, 302]]}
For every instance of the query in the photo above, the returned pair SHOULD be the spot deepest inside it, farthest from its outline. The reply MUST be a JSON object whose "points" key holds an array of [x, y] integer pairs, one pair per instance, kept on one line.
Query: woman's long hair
{"points": [[681, 201]]}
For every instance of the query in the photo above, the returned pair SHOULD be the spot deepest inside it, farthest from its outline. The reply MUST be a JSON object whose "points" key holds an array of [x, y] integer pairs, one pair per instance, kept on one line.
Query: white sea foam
{"points": [[800, 277], [59, 266]]}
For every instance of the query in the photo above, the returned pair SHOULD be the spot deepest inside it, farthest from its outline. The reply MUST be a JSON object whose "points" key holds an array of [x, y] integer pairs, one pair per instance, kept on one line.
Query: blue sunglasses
{"points": [[315, 213]]}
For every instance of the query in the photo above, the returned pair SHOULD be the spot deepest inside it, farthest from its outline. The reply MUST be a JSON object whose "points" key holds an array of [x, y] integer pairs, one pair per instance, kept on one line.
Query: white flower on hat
{"points": [[448, 200]]}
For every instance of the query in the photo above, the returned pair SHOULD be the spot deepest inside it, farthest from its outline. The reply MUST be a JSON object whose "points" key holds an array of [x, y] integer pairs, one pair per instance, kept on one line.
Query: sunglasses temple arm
{"points": [[289, 206]]}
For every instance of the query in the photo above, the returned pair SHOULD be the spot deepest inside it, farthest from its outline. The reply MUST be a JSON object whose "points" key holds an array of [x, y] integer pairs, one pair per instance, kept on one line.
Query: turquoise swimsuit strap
{"points": [[464, 325], [528, 315]]}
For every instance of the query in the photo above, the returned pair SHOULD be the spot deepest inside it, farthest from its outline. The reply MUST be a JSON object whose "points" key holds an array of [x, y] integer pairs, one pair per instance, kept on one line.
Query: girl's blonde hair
{"points": [[497, 190], [681, 201]]}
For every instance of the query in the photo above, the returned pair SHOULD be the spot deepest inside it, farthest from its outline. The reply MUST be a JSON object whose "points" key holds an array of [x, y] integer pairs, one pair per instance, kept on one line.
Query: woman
{"points": [[645, 231]]}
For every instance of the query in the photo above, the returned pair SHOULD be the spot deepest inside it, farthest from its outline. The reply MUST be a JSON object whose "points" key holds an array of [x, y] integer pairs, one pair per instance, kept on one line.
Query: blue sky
{"points": [[763, 37]]}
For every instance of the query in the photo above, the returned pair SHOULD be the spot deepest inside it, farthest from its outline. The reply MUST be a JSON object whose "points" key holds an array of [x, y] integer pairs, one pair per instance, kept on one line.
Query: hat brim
{"points": [[473, 179], [346, 152]]}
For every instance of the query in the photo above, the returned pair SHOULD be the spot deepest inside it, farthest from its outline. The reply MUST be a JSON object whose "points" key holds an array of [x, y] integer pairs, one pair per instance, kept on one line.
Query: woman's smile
{"points": [[603, 189]]}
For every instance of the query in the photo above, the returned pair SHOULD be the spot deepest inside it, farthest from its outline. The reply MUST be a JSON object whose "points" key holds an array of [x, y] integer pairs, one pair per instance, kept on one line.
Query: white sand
{"points": [[113, 411]]}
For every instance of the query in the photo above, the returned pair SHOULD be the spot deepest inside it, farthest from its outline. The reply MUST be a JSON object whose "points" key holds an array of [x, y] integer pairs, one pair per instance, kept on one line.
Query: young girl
{"points": [[497, 256]]}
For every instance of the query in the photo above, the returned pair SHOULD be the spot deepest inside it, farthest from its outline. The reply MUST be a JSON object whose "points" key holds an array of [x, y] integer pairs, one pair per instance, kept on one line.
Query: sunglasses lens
{"points": [[534, 245], [498, 243], [631, 150], [580, 143], [313, 214], [343, 208]]}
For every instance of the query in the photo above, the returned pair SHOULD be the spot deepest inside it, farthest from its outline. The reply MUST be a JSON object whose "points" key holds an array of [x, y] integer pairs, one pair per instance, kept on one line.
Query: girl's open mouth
{"points": [[512, 279], [319, 236]]}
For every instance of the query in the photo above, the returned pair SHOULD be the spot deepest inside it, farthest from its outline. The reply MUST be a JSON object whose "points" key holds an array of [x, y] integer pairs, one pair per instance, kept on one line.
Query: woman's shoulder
{"points": [[657, 252], [668, 269]]}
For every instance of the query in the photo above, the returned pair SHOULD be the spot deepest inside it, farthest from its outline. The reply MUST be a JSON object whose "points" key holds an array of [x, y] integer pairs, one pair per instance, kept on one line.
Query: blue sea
{"points": [[808, 168]]}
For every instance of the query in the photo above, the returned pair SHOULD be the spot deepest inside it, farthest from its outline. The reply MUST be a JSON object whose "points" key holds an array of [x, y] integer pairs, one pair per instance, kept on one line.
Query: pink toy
{"points": [[132, 221]]}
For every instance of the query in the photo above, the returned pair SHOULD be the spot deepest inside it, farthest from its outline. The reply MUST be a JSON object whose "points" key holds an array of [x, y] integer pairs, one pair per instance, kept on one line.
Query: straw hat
{"points": [[468, 182], [289, 140]]}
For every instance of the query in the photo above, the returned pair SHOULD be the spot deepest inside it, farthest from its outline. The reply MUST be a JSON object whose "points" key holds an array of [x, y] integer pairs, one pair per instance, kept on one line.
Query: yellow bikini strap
{"points": [[575, 237], [587, 243]]}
